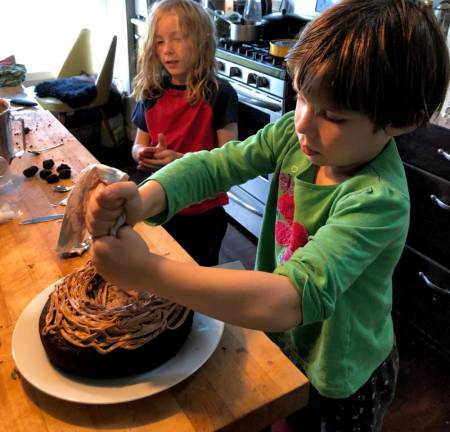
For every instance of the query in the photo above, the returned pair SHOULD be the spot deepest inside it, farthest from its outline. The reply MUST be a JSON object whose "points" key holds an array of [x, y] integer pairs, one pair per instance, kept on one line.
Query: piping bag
{"points": [[73, 235]]}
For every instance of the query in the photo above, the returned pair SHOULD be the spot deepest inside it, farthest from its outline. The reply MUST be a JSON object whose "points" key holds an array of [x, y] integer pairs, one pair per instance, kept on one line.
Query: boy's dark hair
{"points": [[387, 59]]}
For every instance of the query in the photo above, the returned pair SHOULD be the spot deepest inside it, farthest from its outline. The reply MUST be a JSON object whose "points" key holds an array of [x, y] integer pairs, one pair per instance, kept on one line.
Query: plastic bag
{"points": [[7, 213], [73, 228]]}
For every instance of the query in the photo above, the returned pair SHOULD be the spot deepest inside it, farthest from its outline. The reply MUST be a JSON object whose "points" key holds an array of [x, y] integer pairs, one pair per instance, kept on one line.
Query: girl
{"points": [[337, 214], [183, 107]]}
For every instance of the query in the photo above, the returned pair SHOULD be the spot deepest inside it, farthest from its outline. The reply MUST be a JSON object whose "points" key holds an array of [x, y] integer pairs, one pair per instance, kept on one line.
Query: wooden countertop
{"points": [[245, 386]]}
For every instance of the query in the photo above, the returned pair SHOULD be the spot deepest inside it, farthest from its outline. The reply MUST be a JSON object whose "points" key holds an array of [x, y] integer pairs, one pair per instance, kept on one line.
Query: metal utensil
{"points": [[77, 251], [42, 219], [62, 188], [7, 150], [24, 143], [38, 152], [20, 108], [63, 202]]}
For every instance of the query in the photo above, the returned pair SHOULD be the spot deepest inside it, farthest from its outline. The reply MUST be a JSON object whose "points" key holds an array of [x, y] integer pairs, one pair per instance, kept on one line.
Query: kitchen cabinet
{"points": [[422, 277]]}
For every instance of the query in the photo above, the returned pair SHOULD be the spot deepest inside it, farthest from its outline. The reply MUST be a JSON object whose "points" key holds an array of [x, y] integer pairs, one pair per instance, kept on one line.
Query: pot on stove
{"points": [[237, 31], [280, 47], [281, 25], [246, 28], [243, 32]]}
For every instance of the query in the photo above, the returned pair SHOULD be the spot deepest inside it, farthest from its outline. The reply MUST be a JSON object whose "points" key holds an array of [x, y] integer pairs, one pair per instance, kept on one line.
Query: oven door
{"points": [[248, 200], [256, 109]]}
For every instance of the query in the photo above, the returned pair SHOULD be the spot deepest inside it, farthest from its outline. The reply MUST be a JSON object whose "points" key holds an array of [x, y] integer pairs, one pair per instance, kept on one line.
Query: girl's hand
{"points": [[124, 261], [107, 203], [142, 154], [141, 143], [155, 157]]}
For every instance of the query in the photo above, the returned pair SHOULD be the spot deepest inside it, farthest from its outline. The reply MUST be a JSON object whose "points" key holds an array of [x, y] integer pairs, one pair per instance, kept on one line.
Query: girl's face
{"points": [[173, 48], [337, 141]]}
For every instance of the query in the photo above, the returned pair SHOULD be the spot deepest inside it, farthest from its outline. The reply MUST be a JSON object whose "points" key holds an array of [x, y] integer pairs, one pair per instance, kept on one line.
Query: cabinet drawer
{"points": [[427, 148], [429, 231], [422, 296]]}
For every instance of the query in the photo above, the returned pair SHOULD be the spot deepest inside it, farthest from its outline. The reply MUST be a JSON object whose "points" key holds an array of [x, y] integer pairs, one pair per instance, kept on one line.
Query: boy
{"points": [[337, 214]]}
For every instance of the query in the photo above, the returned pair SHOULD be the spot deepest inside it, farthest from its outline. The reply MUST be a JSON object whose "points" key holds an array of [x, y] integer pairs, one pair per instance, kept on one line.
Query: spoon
{"points": [[38, 152], [62, 188]]}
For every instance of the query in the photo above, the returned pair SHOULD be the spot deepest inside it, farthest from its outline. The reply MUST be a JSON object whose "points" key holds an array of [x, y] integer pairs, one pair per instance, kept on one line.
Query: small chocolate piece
{"points": [[30, 171], [48, 163], [26, 130], [53, 178], [43, 174], [65, 173], [62, 166]]}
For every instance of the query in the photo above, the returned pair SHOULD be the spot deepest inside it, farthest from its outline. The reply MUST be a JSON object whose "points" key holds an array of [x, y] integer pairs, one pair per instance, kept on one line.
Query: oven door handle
{"points": [[258, 102], [242, 203]]}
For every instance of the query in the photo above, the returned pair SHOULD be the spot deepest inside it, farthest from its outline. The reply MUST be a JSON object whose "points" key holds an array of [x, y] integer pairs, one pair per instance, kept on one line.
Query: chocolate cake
{"points": [[91, 328]]}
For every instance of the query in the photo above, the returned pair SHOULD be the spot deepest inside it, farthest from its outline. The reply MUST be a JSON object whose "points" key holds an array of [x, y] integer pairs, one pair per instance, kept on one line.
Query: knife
{"points": [[42, 219]]}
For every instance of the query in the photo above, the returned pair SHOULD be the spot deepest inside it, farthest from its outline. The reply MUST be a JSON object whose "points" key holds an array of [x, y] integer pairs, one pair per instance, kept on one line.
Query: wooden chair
{"points": [[80, 60]]}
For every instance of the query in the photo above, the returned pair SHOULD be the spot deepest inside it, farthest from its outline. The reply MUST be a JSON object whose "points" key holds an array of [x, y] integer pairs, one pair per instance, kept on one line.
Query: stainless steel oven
{"points": [[265, 94]]}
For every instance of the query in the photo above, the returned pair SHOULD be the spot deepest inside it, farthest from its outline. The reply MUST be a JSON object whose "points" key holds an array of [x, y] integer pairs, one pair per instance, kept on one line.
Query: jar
{"points": [[252, 11], [442, 13]]}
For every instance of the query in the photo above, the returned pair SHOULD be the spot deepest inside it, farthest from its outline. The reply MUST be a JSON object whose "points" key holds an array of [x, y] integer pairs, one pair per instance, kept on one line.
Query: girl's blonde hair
{"points": [[198, 27]]}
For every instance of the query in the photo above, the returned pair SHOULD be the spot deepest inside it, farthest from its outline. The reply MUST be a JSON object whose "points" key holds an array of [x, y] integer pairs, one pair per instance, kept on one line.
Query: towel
{"points": [[76, 91]]}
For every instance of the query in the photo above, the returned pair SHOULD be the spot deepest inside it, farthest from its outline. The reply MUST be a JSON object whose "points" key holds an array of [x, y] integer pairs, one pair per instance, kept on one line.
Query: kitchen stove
{"points": [[256, 55], [265, 93], [252, 64]]}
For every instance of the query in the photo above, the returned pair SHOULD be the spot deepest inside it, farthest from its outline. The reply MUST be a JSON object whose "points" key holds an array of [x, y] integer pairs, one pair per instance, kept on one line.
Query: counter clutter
{"points": [[246, 384]]}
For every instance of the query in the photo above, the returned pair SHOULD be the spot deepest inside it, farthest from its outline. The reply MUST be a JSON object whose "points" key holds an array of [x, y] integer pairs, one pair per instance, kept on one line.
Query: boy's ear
{"points": [[395, 131]]}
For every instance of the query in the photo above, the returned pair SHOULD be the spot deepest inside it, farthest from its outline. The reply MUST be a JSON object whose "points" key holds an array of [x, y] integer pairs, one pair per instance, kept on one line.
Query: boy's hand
{"points": [[107, 203], [123, 261], [155, 157]]}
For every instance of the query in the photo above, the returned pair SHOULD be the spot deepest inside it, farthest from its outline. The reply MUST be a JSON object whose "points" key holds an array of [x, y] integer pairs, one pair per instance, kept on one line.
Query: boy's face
{"points": [[337, 141], [173, 48]]}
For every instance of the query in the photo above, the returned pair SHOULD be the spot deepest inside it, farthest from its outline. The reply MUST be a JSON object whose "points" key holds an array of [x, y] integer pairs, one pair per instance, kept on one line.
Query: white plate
{"points": [[32, 362]]}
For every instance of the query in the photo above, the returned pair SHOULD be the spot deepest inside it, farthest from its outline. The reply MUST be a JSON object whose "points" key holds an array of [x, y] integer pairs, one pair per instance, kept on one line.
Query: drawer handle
{"points": [[431, 285], [440, 203], [444, 153], [242, 203]]}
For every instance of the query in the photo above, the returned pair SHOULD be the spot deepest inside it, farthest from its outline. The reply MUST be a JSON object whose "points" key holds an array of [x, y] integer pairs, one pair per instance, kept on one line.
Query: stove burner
{"points": [[258, 51]]}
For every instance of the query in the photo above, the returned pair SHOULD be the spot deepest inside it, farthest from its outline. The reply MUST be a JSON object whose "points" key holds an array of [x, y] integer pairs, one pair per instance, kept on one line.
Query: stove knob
{"points": [[235, 71], [220, 66], [262, 82], [251, 78]]}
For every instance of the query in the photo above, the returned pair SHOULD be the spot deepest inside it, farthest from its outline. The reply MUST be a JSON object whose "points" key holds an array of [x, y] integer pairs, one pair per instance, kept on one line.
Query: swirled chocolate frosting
{"points": [[91, 312]]}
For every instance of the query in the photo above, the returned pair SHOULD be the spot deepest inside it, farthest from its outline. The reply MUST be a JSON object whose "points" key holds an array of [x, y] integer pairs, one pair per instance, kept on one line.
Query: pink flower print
{"points": [[284, 181], [282, 233], [299, 237], [286, 207], [288, 233]]}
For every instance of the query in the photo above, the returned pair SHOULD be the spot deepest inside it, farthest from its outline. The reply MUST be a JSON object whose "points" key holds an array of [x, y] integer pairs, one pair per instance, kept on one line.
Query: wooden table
{"points": [[245, 386]]}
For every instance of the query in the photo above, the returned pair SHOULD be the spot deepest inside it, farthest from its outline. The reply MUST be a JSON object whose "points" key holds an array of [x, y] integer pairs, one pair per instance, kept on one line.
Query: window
{"points": [[39, 33]]}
